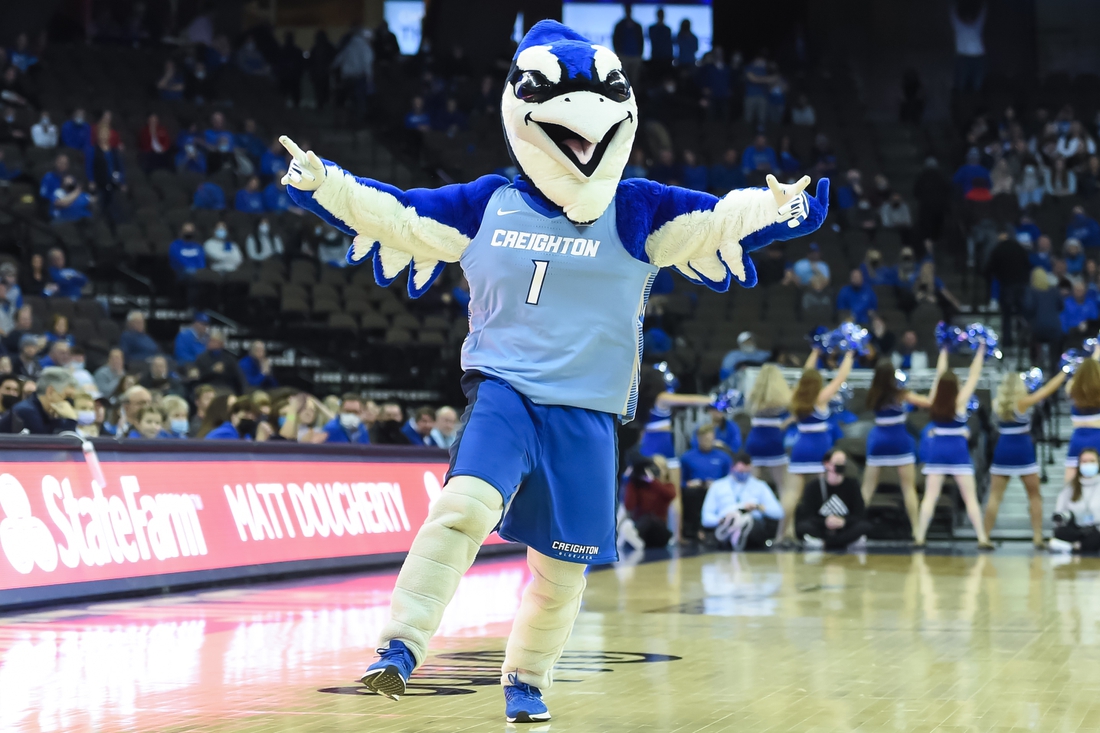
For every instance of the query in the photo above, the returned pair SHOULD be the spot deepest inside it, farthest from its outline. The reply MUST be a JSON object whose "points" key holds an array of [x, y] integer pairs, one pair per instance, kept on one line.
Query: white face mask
{"points": [[85, 417], [349, 420], [1088, 470], [220, 234]]}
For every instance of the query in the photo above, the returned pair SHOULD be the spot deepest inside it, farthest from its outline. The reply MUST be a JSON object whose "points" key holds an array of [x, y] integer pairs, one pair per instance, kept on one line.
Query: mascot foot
{"points": [[523, 703], [391, 672]]}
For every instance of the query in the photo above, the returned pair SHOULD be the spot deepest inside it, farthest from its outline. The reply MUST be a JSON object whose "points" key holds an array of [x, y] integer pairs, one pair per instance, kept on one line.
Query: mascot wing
{"points": [[708, 239], [421, 228]]}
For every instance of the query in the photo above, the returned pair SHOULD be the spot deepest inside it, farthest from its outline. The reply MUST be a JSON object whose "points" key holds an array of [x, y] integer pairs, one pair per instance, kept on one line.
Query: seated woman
{"points": [[1078, 508], [59, 331]]}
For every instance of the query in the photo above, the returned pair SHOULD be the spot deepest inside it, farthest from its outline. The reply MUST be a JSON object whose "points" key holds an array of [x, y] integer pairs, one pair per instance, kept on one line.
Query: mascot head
{"points": [[569, 116]]}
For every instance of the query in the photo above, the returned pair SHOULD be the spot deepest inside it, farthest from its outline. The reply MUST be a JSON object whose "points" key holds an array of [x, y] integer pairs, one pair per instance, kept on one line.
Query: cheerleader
{"points": [[1084, 397], [1015, 453], [889, 442], [768, 402], [810, 407], [947, 452]]}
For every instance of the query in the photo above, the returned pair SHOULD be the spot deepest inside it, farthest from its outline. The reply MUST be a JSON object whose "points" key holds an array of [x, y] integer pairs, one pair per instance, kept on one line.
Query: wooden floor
{"points": [[720, 642]]}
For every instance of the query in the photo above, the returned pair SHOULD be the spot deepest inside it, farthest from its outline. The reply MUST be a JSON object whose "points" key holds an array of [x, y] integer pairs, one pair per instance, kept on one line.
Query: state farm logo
{"points": [[97, 529]]}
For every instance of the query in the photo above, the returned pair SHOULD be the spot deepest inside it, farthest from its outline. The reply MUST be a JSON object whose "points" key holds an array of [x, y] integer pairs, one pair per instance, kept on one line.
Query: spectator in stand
{"points": [[1060, 181], [726, 176], [699, 467], [48, 410], [274, 160], [137, 346], [263, 243], [627, 40], [160, 379], [1073, 255], [51, 182], [106, 175], [446, 426], [217, 367], [802, 113], [69, 282], [740, 509], [178, 424], [191, 341], [250, 199], [387, 429], [758, 160], [191, 158], [203, 395], [747, 353], [170, 83], [149, 425], [155, 146], [8, 312], [249, 142], [199, 84], [932, 191], [185, 255], [417, 118], [256, 367], [687, 46], [86, 424], [347, 426], [217, 140], [1009, 265], [1083, 228], [906, 356], [647, 497], [76, 133], [418, 429], [1002, 177], [809, 266], [11, 130], [971, 170], [1079, 312], [11, 391], [332, 248], [59, 330], [27, 364], [131, 402], [894, 214], [1088, 182], [22, 56], [758, 81], [1043, 254], [24, 320], [928, 288], [222, 254], [857, 298], [355, 62], [77, 367], [70, 202], [832, 514], [242, 423], [58, 354], [111, 373], [817, 298], [275, 197], [968, 21], [692, 174], [1042, 306], [660, 45], [44, 132], [209, 196], [450, 120], [1031, 188]]}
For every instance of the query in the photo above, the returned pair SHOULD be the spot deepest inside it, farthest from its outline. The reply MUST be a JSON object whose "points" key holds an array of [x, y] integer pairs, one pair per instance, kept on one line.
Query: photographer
{"points": [[647, 498], [741, 509]]}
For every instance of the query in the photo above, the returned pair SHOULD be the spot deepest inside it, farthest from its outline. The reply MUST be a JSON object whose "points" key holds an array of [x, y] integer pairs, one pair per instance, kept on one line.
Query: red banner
{"points": [[58, 525]]}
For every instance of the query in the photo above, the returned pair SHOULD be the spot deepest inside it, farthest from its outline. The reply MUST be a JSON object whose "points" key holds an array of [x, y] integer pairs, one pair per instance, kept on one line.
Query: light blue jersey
{"points": [[555, 308]]}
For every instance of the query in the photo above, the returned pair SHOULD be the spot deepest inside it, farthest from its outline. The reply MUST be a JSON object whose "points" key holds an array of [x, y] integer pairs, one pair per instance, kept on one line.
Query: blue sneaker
{"points": [[523, 703], [389, 674]]}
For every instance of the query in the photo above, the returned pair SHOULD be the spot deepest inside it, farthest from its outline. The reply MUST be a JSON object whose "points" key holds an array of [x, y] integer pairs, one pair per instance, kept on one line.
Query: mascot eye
{"points": [[618, 88], [532, 86]]}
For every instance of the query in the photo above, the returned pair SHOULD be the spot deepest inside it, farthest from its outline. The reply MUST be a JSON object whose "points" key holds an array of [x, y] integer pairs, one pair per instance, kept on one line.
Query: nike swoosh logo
{"points": [[502, 212]]}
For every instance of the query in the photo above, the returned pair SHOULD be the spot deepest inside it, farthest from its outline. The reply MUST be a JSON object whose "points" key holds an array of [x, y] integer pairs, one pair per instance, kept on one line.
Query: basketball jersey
{"points": [[555, 308]]}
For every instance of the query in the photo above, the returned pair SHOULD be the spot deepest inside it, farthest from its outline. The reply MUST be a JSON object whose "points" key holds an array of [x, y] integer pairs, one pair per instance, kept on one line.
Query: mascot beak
{"points": [[579, 127]]}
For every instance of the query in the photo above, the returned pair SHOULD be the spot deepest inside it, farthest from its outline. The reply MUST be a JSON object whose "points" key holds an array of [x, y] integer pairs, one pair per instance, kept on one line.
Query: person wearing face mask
{"points": [[263, 243], [46, 411], [86, 423], [240, 424], [11, 391], [833, 515], [222, 254], [1077, 511], [76, 133], [741, 509], [84, 379], [185, 254], [348, 427], [175, 410]]}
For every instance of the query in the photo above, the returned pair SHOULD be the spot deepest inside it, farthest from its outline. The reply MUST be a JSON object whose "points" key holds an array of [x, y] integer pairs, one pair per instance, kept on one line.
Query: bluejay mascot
{"points": [[560, 263]]}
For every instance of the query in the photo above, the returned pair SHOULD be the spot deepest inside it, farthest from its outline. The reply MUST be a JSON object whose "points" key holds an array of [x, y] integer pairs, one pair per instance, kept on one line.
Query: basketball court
{"points": [[1008, 641]]}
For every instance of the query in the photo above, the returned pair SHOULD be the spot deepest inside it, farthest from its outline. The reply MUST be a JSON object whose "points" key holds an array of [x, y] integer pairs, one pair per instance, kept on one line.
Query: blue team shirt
{"points": [[337, 434], [534, 276], [249, 202], [710, 466], [188, 346]]}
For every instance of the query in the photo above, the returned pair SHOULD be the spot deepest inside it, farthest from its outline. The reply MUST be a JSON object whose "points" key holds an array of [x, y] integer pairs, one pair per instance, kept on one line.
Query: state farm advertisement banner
{"points": [[58, 525]]}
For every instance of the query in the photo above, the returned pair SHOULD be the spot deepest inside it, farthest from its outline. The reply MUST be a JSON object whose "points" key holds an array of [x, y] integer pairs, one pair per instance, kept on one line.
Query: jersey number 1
{"points": [[536, 281]]}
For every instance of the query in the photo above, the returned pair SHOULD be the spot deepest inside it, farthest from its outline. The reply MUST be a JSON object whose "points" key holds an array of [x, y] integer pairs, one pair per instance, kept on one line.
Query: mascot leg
{"points": [[549, 607], [444, 549]]}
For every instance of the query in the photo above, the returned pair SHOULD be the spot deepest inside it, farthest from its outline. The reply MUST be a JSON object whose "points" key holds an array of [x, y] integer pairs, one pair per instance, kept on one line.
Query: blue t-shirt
{"points": [[69, 281], [186, 256], [193, 164], [415, 438], [188, 346], [687, 48], [752, 159], [337, 434], [50, 183], [755, 89], [860, 302], [250, 202], [695, 464], [275, 197], [220, 140], [1084, 229], [79, 208], [1073, 313], [254, 375], [76, 135], [209, 196], [1041, 259], [225, 431]]}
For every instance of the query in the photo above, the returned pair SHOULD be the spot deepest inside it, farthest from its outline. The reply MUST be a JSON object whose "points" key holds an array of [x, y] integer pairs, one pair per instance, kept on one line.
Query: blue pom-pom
{"points": [[976, 332], [1071, 360], [949, 337], [901, 378], [850, 337], [729, 400], [839, 402], [1033, 379], [817, 338], [671, 382]]}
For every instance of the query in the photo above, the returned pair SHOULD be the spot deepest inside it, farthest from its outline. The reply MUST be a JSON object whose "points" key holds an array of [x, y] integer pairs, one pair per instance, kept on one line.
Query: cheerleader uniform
{"points": [[814, 441], [946, 450], [657, 438], [1083, 437], [1015, 453], [765, 440], [889, 443]]}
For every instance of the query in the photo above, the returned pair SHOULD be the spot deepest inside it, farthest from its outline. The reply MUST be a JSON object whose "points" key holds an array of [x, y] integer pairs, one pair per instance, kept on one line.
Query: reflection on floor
{"points": [[758, 642]]}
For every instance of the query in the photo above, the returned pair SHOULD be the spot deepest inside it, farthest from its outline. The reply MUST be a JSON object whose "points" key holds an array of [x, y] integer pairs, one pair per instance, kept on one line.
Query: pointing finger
{"points": [[293, 149]]}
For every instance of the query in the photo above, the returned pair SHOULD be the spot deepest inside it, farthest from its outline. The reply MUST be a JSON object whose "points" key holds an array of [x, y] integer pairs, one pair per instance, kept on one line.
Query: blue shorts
{"points": [[555, 467]]}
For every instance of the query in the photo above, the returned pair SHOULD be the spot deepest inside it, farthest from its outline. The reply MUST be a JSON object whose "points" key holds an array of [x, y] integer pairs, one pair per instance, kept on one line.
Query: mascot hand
{"points": [[793, 203], [306, 172]]}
